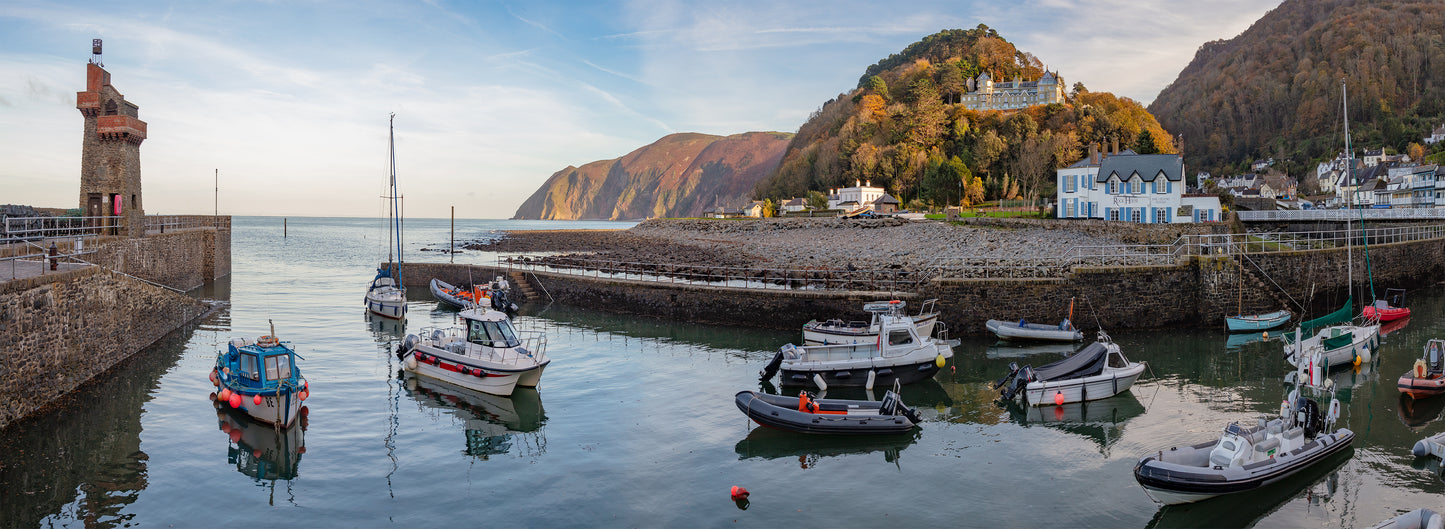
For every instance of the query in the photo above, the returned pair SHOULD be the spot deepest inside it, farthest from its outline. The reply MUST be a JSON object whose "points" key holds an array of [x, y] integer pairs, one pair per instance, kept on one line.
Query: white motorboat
{"points": [[1246, 459], [1333, 346], [899, 353], [837, 331], [486, 354], [1023, 330], [1098, 371], [1416, 519]]}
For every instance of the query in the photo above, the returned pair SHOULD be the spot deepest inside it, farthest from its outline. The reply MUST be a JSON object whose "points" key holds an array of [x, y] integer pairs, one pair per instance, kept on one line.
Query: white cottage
{"points": [[1146, 188]]}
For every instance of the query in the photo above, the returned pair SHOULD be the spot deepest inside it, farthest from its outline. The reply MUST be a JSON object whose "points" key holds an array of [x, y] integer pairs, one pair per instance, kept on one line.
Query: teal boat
{"points": [[261, 379], [1257, 322]]}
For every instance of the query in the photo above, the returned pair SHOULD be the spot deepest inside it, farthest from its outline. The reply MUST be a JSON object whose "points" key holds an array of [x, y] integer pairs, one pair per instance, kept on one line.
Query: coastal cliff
{"points": [[680, 175]]}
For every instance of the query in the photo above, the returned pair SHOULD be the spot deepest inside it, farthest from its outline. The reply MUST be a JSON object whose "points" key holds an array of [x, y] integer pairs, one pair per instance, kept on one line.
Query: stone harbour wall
{"points": [[60, 330], [183, 259]]}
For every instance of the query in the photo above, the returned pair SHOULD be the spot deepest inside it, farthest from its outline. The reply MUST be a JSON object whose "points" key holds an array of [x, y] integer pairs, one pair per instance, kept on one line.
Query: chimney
{"points": [[1116, 144], [1094, 154], [869, 183], [857, 183]]}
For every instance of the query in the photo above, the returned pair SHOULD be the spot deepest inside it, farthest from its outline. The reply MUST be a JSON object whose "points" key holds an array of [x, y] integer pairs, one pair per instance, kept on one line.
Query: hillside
{"points": [[1274, 90], [905, 127], [680, 175]]}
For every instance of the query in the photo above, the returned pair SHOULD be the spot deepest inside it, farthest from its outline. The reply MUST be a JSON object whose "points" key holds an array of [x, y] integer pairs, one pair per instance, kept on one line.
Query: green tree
{"points": [[1144, 144], [878, 86], [817, 200]]}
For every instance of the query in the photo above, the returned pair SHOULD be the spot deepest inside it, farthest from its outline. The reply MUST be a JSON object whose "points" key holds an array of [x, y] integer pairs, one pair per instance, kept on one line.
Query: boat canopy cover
{"points": [[1344, 315], [1086, 362]]}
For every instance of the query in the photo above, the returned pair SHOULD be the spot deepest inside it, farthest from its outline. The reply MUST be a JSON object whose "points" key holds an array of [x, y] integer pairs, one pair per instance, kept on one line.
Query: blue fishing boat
{"points": [[1256, 322], [261, 379]]}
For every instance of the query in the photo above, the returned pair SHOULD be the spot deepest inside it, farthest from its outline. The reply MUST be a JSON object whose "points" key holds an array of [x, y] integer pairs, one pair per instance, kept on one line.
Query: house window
{"points": [[1069, 208], [1161, 216], [1136, 215], [1136, 186], [1093, 206], [1114, 214], [1161, 186], [1113, 188]]}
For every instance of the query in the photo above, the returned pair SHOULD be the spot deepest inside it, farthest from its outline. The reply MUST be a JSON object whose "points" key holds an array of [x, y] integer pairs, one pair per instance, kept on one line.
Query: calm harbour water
{"points": [[634, 424]]}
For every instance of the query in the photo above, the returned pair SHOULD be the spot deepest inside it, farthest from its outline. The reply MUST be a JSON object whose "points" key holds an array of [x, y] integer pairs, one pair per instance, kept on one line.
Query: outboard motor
{"points": [[499, 300], [406, 345], [1307, 415], [772, 367]]}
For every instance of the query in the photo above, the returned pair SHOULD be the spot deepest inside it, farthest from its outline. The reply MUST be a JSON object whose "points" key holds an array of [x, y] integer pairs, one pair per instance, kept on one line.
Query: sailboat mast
{"points": [[1350, 170], [391, 203]]}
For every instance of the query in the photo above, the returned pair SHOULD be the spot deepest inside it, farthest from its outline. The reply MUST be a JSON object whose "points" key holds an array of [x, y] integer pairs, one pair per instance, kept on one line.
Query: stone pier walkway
{"points": [[22, 269]]}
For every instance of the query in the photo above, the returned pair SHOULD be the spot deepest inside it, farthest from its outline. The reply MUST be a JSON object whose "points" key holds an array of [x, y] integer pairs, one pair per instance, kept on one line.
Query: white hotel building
{"points": [[1129, 187]]}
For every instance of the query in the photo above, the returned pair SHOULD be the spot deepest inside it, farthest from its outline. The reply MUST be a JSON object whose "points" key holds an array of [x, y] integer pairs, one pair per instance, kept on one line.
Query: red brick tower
{"points": [[110, 156]]}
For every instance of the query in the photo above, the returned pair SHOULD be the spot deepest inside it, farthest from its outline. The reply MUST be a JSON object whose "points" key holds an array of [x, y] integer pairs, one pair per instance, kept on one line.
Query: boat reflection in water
{"points": [[261, 450], [492, 423], [1392, 326], [385, 329], [1416, 413], [1021, 349], [1236, 341], [1318, 484], [809, 450], [1099, 420]]}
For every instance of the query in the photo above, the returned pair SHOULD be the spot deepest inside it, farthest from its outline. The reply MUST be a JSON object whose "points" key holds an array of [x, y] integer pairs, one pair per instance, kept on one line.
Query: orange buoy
{"points": [[304, 394], [256, 399], [225, 395], [214, 380], [1059, 398], [235, 400], [739, 493]]}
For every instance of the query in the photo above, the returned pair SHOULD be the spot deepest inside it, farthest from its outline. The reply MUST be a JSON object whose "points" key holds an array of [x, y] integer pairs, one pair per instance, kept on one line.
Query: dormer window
{"points": [[1136, 185]]}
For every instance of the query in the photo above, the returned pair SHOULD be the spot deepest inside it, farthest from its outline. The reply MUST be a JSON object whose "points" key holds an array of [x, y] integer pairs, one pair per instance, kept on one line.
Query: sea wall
{"points": [[59, 330], [181, 259]]}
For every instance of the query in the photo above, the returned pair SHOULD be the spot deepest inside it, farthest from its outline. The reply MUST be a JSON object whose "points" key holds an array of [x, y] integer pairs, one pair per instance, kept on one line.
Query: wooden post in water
{"points": [[450, 250], [283, 227]]}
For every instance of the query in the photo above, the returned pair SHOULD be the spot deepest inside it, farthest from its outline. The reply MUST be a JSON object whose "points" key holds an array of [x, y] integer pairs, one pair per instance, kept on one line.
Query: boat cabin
{"points": [[263, 366], [490, 328]]}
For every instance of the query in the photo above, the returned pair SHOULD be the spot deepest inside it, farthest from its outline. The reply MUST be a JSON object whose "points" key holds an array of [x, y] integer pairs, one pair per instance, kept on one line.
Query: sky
{"points": [[289, 99]]}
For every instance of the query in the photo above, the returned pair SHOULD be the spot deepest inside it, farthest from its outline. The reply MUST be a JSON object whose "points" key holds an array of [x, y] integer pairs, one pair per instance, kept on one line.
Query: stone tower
{"points": [[110, 153]]}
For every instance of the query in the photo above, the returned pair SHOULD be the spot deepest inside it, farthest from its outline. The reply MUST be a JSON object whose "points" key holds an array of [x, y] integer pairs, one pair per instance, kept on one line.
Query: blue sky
{"points": [[289, 99]]}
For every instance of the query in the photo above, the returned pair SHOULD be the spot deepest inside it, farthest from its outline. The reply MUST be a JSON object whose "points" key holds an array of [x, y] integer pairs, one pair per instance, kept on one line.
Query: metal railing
{"points": [[40, 254], [1342, 215], [39, 228], [892, 280]]}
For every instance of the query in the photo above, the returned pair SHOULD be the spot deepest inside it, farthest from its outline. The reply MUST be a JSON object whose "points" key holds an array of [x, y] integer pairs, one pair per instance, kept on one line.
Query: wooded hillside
{"points": [[1274, 90], [903, 128]]}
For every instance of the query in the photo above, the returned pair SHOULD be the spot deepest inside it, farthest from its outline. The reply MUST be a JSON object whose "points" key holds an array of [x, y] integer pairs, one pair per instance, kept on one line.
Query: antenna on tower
{"points": [[95, 52]]}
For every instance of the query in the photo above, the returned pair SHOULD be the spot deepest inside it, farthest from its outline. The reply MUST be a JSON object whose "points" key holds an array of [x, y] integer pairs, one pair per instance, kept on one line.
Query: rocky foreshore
{"points": [[811, 243]]}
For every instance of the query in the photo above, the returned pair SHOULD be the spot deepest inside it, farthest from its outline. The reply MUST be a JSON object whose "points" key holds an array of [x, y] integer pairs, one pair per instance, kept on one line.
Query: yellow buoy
{"points": [[1266, 335], [939, 361], [1357, 360]]}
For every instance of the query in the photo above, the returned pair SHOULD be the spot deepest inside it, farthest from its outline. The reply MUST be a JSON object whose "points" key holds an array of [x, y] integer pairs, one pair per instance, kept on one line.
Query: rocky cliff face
{"points": [[680, 175]]}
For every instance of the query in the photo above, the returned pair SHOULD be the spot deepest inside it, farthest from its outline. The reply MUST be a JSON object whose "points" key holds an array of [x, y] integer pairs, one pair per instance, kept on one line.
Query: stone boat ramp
{"points": [[781, 273]]}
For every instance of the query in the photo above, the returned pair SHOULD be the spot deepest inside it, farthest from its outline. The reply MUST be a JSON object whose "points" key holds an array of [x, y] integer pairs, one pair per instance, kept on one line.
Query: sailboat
{"points": [[1336, 339], [387, 296], [1253, 322]]}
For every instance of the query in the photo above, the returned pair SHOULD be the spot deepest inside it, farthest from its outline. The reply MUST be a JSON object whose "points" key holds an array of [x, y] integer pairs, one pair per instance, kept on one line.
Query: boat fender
{"points": [[1334, 412], [818, 380], [1421, 449], [871, 376], [411, 363]]}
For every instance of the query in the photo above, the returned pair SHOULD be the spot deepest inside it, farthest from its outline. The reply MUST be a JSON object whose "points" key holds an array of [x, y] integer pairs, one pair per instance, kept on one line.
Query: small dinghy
{"points": [[1416, 519], [1433, 446], [1256, 322], [1387, 309], [900, 353], [1427, 377], [494, 296], [1098, 371], [1245, 459], [261, 379], [1023, 330], [486, 354], [805, 414], [837, 331]]}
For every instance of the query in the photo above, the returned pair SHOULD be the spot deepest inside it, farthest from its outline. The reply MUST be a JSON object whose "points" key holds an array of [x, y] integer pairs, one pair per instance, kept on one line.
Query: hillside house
{"points": [[1129, 187]]}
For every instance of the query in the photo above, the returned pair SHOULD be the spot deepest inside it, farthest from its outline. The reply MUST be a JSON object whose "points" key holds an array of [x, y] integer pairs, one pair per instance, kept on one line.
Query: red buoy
{"points": [[256, 399], [739, 493], [235, 400], [1059, 398]]}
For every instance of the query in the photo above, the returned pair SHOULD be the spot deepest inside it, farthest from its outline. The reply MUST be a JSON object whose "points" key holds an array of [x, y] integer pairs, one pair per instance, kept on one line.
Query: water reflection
{"points": [[1392, 326], [493, 425], [384, 330], [1320, 484], [1416, 413], [1018, 350], [82, 460], [262, 451], [810, 450], [1101, 421]]}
